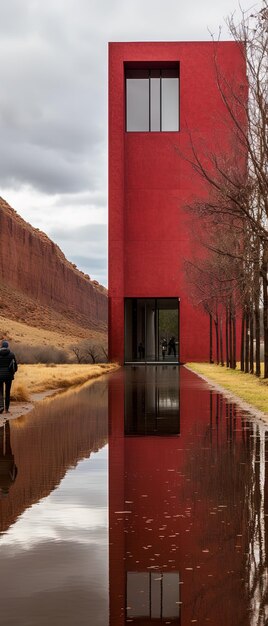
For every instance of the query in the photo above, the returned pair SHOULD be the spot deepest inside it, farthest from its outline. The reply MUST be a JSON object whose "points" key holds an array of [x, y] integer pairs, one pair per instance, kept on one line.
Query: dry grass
{"points": [[252, 390], [19, 392], [25, 334], [38, 378]]}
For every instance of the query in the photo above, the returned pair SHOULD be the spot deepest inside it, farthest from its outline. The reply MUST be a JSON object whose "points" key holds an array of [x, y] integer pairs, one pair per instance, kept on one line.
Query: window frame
{"points": [[152, 67]]}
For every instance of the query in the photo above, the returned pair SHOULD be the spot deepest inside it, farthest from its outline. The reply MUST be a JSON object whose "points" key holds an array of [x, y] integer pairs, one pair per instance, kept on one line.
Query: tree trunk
{"points": [[217, 338], [251, 342], [227, 338], [234, 342], [242, 353], [258, 337], [230, 339], [247, 343], [210, 340], [221, 343], [256, 313], [265, 312]]}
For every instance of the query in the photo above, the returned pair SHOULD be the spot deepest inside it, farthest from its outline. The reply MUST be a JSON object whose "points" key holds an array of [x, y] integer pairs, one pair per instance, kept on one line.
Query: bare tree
{"points": [[104, 350], [91, 351], [79, 355], [215, 286], [87, 352], [237, 184]]}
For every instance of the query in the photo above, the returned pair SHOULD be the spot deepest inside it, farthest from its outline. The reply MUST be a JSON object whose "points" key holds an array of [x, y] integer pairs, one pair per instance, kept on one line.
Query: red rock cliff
{"points": [[32, 264]]}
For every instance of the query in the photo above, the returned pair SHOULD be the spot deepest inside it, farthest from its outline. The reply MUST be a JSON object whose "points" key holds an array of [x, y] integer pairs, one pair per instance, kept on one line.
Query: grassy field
{"points": [[252, 390], [38, 378], [26, 334]]}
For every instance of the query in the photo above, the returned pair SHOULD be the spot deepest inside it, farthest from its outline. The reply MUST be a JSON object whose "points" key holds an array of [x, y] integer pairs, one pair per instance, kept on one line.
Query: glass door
{"points": [[151, 330]]}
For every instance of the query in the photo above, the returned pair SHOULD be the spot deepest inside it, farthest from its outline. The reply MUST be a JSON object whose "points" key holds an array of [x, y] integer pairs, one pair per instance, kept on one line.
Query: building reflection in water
{"points": [[152, 408], [144, 412], [188, 508], [152, 401]]}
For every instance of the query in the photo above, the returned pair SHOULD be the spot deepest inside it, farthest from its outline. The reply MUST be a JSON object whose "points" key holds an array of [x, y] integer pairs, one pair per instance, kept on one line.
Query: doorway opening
{"points": [[151, 330]]}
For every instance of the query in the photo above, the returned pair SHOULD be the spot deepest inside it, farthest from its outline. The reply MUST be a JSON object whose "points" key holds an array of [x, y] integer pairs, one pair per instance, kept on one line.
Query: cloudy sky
{"points": [[53, 106]]}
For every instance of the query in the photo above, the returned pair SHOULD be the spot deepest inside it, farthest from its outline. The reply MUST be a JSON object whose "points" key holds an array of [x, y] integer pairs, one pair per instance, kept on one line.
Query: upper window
{"points": [[152, 99]]}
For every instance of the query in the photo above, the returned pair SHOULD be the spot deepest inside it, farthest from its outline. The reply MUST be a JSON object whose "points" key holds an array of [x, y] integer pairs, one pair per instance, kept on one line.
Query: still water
{"points": [[184, 536]]}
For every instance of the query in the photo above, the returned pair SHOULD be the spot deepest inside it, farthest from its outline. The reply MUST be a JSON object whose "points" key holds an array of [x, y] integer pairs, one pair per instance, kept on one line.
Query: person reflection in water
{"points": [[8, 367], [8, 469]]}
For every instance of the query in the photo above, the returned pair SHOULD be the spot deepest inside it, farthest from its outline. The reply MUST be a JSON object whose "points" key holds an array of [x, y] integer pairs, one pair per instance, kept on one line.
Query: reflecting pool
{"points": [[187, 537], [53, 548]]}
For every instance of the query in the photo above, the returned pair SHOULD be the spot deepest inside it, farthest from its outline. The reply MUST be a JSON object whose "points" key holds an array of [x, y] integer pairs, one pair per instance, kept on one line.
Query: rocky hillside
{"points": [[38, 285]]}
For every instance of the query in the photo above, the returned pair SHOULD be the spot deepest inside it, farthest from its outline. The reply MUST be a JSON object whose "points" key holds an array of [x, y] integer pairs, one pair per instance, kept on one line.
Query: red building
{"points": [[162, 96]]}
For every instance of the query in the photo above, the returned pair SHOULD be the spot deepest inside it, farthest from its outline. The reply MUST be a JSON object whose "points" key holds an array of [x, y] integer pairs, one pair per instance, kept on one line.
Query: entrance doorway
{"points": [[151, 330]]}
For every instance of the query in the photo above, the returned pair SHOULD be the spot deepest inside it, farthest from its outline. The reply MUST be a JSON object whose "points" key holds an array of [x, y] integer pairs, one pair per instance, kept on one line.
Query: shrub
{"points": [[39, 354]]}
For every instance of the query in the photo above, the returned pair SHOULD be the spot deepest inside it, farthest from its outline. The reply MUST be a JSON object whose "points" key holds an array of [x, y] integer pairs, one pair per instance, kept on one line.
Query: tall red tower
{"points": [[162, 97]]}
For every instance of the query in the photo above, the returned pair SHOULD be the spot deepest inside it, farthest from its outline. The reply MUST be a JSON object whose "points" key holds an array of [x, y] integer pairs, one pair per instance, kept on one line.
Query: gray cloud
{"points": [[53, 97], [97, 263], [89, 255], [92, 264], [94, 198], [48, 170], [51, 103], [88, 233], [86, 246], [53, 81]]}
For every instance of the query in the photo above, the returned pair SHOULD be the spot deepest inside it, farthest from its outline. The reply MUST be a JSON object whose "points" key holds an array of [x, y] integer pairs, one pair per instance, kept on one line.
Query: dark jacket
{"points": [[8, 364]]}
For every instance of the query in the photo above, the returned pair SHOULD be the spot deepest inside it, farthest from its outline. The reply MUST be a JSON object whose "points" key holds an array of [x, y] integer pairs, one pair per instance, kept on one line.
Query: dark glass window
{"points": [[152, 100], [153, 595]]}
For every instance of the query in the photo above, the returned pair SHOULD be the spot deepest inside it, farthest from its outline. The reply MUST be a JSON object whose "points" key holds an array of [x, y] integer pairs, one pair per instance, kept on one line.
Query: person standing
{"points": [[8, 367], [172, 346], [164, 348]]}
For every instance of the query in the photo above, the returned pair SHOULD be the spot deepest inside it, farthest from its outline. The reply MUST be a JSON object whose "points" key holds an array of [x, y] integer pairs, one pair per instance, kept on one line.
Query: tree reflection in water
{"points": [[238, 456], [256, 508]]}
